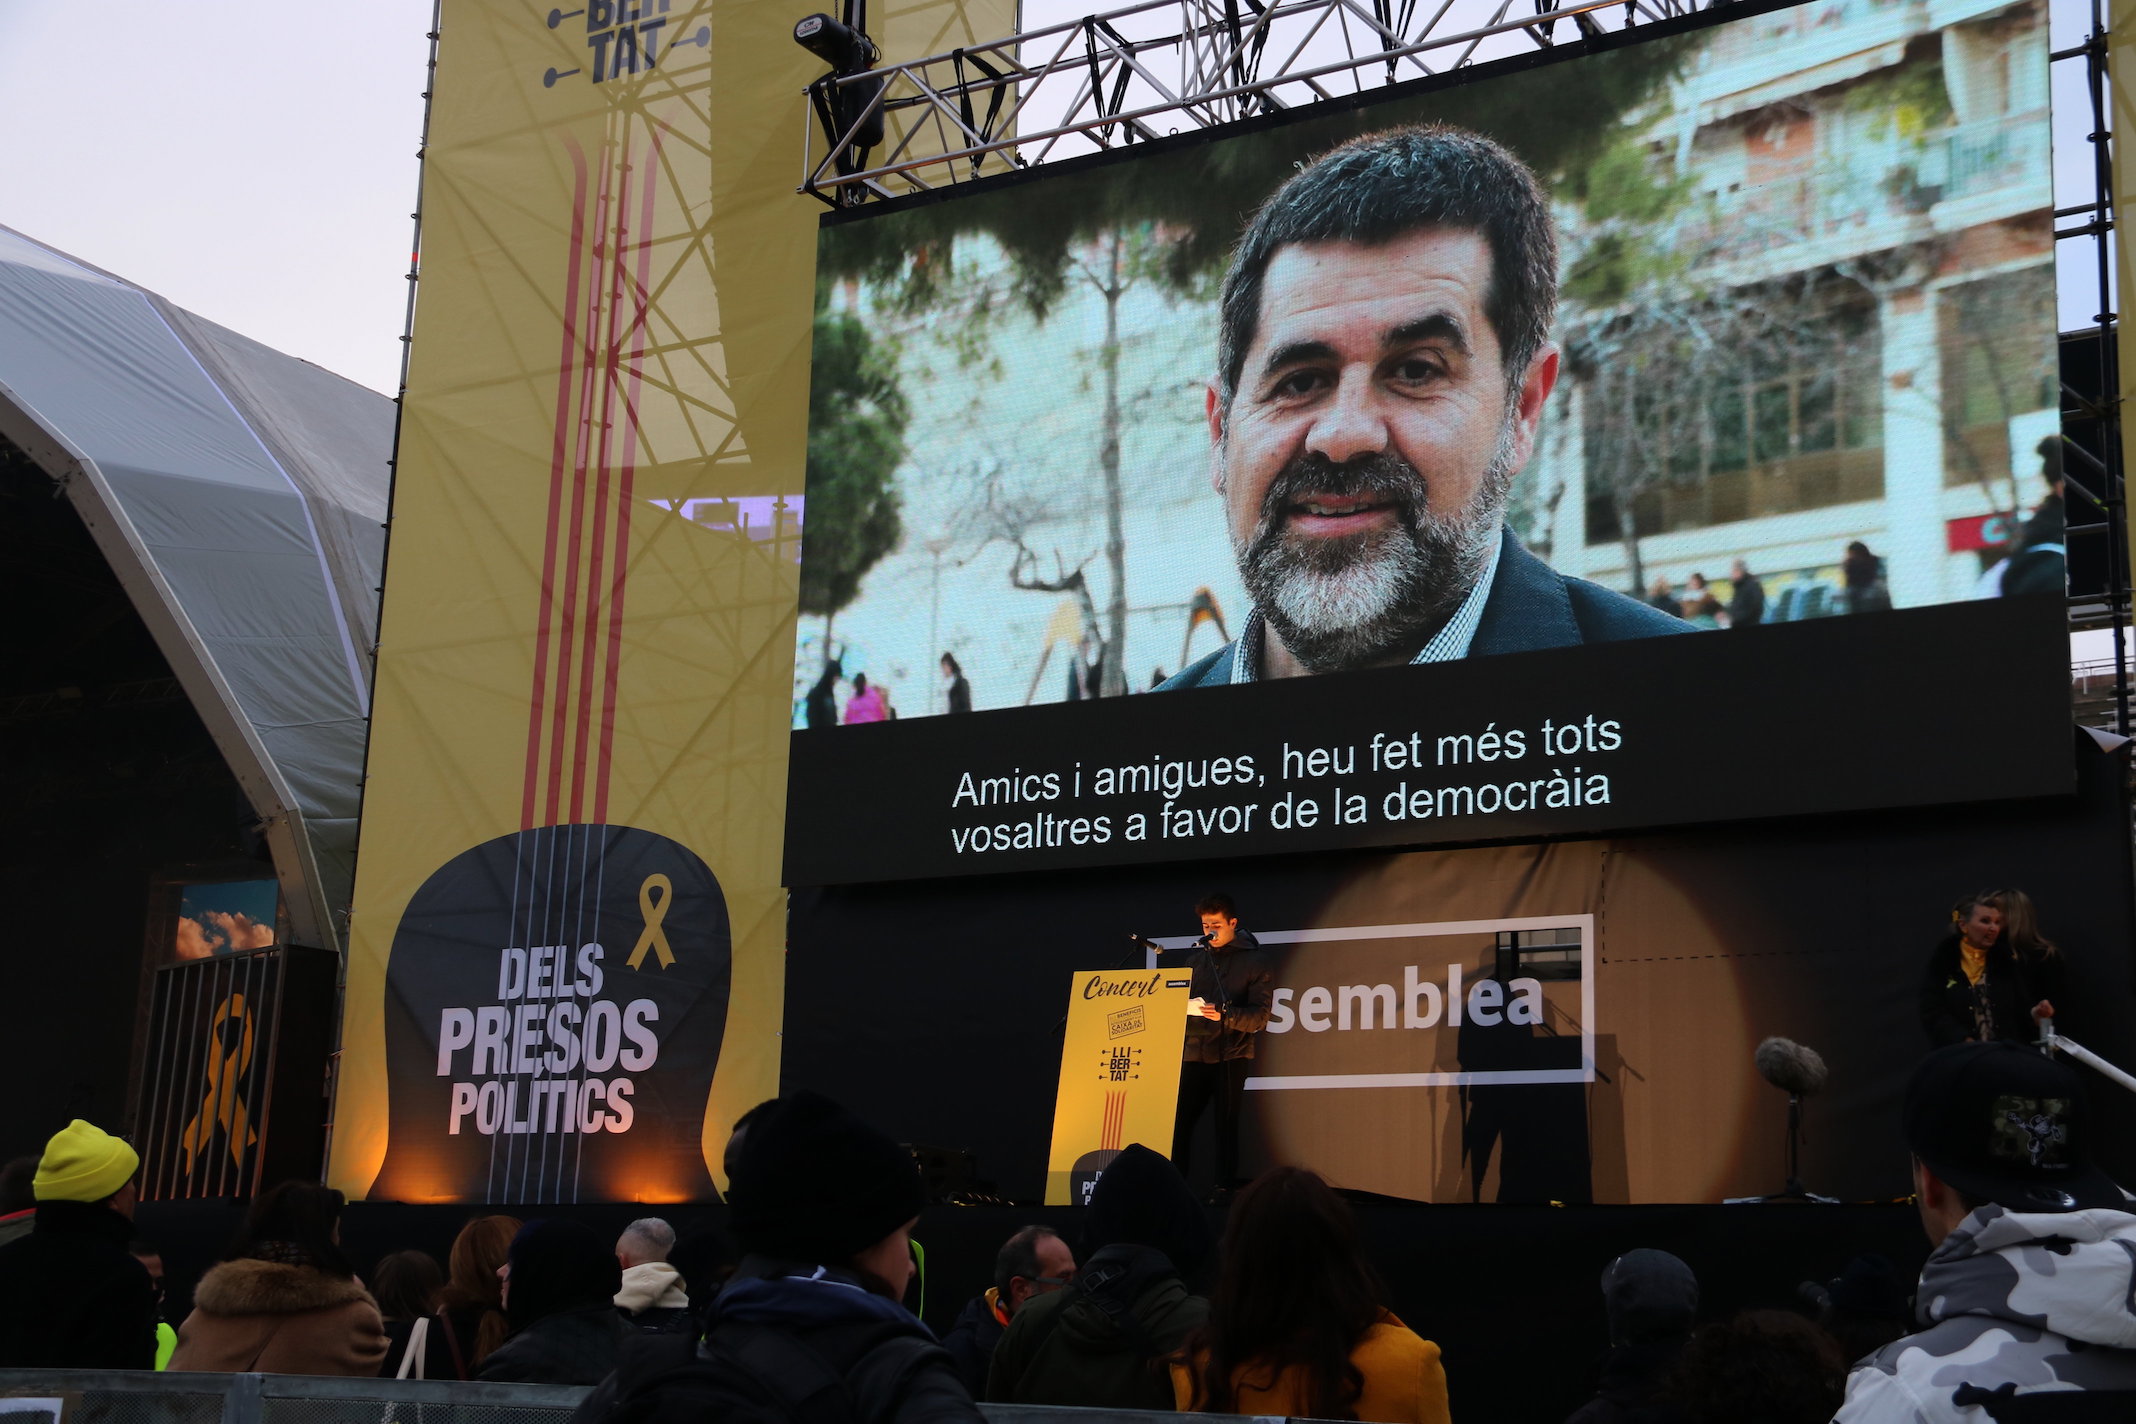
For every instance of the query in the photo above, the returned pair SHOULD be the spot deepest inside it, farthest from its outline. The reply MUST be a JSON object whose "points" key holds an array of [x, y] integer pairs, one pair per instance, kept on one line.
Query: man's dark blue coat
{"points": [[1532, 606]]}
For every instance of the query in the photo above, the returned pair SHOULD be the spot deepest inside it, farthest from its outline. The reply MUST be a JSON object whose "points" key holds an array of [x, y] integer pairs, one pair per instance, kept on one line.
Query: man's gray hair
{"points": [[652, 1237]]}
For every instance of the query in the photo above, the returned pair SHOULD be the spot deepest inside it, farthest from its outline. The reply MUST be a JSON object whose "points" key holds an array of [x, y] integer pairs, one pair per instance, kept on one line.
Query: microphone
{"points": [[1144, 943], [1203, 942], [1790, 1067]]}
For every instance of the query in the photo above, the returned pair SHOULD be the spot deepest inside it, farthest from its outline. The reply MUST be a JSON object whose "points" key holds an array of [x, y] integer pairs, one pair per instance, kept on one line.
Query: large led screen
{"points": [[1657, 433]]}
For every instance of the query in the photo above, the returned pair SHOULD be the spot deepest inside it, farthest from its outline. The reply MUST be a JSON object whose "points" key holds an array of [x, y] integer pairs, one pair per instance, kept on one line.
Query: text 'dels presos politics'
{"points": [[545, 1058], [1394, 777]]}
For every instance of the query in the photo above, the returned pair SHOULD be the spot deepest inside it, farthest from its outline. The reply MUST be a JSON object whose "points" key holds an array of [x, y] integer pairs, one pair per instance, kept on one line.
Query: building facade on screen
{"points": [[1883, 162]]}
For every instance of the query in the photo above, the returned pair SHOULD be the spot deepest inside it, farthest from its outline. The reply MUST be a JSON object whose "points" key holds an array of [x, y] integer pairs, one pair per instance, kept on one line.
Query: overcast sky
{"points": [[253, 163], [256, 163]]}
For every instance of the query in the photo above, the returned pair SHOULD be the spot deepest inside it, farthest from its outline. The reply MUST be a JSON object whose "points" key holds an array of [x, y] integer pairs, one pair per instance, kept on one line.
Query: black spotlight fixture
{"points": [[843, 44]]}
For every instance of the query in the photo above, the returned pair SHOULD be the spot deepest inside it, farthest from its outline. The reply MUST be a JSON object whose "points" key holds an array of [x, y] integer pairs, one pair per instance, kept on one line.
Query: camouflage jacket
{"points": [[2038, 1301]]}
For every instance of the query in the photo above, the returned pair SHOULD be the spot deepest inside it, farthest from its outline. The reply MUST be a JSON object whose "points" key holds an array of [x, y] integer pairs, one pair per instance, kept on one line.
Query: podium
{"points": [[1119, 1074]]}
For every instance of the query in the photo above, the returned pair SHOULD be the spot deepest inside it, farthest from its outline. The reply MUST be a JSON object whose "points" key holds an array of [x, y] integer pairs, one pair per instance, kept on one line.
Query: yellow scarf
{"points": [[1973, 961]]}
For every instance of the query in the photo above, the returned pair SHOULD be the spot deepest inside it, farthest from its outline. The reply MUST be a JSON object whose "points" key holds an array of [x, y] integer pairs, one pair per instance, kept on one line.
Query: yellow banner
{"points": [[566, 964], [1119, 1074]]}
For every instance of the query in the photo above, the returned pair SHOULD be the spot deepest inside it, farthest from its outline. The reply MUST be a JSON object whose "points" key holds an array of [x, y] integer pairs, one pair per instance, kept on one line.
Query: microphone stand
{"points": [[1794, 1191]]}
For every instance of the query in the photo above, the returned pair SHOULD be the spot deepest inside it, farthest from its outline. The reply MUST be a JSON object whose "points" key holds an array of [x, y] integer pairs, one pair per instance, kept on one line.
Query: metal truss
{"points": [[1146, 69], [2092, 456]]}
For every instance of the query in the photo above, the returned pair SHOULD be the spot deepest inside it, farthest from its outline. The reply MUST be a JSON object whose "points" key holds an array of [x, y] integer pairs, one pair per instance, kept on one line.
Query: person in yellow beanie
{"points": [[71, 1295]]}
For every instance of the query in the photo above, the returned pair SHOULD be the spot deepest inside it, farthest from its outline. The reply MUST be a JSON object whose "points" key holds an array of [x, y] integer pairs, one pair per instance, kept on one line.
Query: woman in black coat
{"points": [[559, 1295], [1991, 975]]}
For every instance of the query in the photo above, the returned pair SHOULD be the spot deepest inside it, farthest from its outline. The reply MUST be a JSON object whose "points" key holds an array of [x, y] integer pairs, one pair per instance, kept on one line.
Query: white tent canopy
{"points": [[240, 497]]}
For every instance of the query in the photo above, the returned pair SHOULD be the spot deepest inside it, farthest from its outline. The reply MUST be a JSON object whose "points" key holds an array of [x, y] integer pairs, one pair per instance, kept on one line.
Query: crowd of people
{"points": [[2029, 1293], [1863, 589]]}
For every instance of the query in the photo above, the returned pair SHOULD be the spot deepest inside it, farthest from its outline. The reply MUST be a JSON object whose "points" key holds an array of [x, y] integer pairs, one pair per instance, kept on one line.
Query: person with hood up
{"points": [[651, 1297], [71, 1295], [1102, 1343], [559, 1299], [2031, 1288], [810, 1324], [1651, 1298], [285, 1301]]}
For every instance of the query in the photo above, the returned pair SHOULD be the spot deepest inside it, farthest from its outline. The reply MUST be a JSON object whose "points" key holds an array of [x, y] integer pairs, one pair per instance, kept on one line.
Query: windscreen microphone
{"points": [[1790, 1067]]}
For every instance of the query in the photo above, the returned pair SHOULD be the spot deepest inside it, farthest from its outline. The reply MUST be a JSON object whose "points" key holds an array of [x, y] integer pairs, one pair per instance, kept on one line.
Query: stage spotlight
{"points": [[850, 108], [845, 49]]}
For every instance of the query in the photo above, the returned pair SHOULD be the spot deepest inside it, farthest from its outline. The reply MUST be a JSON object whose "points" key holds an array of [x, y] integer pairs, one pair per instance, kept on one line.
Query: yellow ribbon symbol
{"points": [[654, 907], [223, 1103]]}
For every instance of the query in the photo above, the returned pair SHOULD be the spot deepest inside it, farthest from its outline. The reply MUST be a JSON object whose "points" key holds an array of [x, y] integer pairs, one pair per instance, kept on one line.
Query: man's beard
{"points": [[1351, 601]]}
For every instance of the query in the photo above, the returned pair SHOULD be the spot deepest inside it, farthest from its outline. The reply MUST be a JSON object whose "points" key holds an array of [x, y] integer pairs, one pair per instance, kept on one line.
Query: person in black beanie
{"points": [[1652, 1301], [822, 1206], [560, 1282], [1102, 1342]]}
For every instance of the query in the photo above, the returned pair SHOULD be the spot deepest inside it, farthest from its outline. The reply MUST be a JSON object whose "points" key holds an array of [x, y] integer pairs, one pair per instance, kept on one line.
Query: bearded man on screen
{"points": [[1384, 357]]}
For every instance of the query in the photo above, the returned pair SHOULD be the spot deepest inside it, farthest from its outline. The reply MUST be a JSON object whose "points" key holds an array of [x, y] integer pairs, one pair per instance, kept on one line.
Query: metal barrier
{"points": [[141, 1397]]}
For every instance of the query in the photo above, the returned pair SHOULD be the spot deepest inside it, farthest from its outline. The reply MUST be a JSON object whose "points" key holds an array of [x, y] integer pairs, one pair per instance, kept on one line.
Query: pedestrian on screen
{"points": [[960, 690], [1033, 1262], [285, 1301], [2028, 1301], [1863, 573], [1701, 608], [1102, 1343], [821, 707], [2039, 562], [1746, 600], [1235, 983], [867, 703], [1298, 1324], [71, 1296]]}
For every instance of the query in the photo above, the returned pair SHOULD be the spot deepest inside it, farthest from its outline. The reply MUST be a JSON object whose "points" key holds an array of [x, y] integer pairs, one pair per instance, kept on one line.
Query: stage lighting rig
{"points": [[844, 45]]}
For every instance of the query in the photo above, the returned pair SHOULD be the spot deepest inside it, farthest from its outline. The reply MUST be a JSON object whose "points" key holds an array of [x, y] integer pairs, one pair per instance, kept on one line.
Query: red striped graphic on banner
{"points": [[566, 364], [628, 478], [593, 464]]}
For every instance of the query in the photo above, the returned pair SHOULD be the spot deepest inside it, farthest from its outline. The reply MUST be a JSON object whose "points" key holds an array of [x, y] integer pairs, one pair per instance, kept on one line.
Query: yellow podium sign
{"points": [[1119, 1074]]}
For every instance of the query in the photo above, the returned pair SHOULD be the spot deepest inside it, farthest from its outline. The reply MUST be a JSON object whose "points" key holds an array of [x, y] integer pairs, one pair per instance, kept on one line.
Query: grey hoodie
{"points": [[2038, 1301]]}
